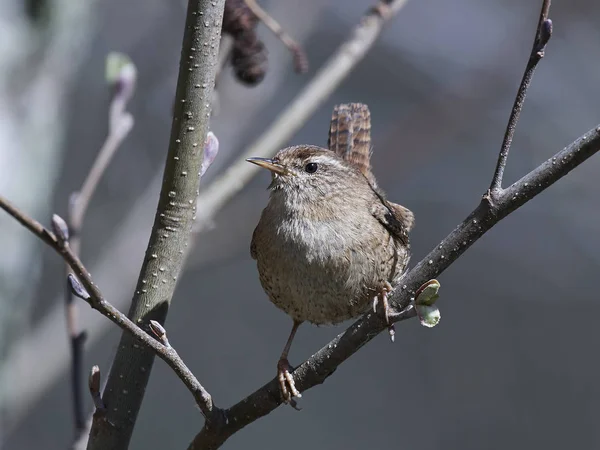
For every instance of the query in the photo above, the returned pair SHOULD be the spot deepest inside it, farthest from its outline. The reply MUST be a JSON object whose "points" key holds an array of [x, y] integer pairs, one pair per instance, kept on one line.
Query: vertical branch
{"points": [[542, 36], [122, 75], [172, 224]]}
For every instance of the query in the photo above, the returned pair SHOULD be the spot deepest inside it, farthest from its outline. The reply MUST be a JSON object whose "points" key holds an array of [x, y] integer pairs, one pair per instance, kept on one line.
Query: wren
{"points": [[328, 244]]}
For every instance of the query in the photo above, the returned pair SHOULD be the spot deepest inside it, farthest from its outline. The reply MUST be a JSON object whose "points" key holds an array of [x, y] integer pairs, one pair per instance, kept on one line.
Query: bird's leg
{"points": [[383, 295], [287, 386]]}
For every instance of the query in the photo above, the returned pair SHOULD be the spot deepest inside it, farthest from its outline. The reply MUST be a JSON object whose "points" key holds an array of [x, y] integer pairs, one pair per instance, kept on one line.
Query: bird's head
{"points": [[309, 170]]}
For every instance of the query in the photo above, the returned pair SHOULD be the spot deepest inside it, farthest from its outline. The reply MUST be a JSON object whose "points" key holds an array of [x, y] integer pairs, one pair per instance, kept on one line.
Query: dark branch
{"points": [[322, 364], [542, 36]]}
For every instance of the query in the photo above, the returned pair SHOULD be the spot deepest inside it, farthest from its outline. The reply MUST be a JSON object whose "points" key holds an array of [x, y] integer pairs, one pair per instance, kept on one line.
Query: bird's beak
{"points": [[268, 164]]}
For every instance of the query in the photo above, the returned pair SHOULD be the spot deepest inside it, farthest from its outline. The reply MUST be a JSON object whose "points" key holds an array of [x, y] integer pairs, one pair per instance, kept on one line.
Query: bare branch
{"points": [[300, 58], [322, 364], [122, 75], [120, 123], [542, 36], [85, 289]]}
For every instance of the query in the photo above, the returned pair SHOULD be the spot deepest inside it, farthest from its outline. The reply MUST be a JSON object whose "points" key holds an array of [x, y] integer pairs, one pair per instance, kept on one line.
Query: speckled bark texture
{"points": [[172, 224]]}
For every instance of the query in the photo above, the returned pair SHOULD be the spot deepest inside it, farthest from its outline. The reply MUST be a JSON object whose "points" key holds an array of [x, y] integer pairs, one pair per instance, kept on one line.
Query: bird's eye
{"points": [[311, 167]]}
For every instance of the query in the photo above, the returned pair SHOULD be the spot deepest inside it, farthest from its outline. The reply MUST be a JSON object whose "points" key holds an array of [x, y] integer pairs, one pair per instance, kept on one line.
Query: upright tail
{"points": [[350, 136]]}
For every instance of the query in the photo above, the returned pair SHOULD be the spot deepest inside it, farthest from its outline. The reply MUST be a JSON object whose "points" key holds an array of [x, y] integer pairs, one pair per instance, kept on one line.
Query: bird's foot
{"points": [[287, 387], [383, 295]]}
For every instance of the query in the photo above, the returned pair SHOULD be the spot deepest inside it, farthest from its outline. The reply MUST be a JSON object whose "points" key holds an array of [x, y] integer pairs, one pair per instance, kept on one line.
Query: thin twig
{"points": [[328, 78], [91, 294], [81, 199], [542, 36], [300, 58], [120, 123]]}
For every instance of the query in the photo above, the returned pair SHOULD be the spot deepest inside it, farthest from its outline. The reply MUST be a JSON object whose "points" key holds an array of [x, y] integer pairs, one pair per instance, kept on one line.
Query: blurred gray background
{"points": [[513, 362]]}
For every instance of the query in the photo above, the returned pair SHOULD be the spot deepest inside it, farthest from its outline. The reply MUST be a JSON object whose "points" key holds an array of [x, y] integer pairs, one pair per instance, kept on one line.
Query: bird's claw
{"points": [[287, 386], [383, 294]]}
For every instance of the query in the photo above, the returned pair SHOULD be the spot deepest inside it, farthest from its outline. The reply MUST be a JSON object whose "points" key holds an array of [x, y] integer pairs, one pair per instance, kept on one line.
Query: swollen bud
{"points": [[77, 288], [61, 230], [211, 148], [425, 299]]}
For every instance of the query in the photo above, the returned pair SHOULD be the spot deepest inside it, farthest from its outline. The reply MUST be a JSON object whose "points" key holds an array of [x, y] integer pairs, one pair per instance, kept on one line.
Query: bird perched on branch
{"points": [[328, 244]]}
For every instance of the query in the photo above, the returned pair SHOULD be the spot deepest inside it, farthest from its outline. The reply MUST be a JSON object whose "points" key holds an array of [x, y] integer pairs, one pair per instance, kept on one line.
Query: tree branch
{"points": [[543, 33], [172, 224], [82, 286], [322, 364], [122, 78]]}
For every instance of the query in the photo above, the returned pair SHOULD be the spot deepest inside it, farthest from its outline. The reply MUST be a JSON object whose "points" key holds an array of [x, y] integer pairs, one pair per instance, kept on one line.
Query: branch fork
{"points": [[543, 33]]}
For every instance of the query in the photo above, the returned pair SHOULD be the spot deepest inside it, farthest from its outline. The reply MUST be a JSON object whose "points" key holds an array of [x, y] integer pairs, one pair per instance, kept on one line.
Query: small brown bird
{"points": [[328, 244]]}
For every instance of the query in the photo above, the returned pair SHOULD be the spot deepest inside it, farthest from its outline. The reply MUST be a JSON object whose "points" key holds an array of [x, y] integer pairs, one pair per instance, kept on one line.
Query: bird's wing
{"points": [[397, 219], [350, 136]]}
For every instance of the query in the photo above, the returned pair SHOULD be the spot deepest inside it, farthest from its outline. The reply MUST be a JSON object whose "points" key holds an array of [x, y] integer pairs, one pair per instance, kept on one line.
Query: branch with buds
{"points": [[82, 286], [121, 74]]}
